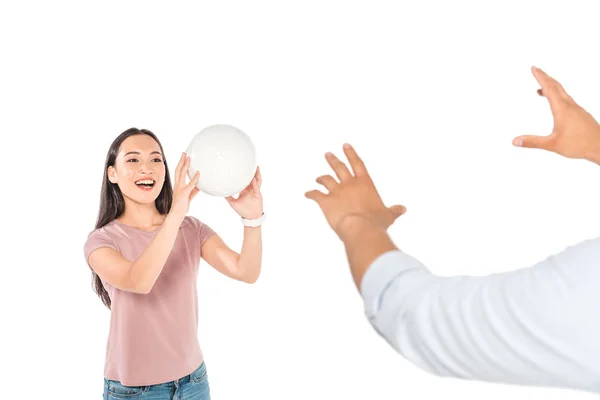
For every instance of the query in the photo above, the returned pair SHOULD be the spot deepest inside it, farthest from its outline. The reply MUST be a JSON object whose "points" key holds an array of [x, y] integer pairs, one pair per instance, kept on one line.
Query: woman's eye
{"points": [[136, 160]]}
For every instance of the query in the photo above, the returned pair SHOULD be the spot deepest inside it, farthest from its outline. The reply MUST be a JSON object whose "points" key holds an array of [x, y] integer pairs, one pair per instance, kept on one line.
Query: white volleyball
{"points": [[225, 157]]}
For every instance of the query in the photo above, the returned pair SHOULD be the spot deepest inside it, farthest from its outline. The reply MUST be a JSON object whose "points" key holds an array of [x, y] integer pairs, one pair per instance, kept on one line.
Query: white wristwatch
{"points": [[254, 222]]}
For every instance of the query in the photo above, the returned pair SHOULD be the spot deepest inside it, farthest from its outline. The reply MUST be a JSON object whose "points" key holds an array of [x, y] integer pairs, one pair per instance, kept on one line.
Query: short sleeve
{"points": [[203, 231], [97, 239]]}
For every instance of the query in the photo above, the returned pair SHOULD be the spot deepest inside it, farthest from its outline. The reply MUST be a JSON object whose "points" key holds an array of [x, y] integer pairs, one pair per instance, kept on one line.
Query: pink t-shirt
{"points": [[153, 337]]}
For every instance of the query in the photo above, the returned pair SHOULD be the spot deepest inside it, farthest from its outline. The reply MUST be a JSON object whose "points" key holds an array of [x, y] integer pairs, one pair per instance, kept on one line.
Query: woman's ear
{"points": [[112, 174]]}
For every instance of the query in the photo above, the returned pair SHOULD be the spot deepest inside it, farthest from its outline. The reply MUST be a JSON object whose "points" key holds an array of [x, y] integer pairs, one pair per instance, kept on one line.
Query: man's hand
{"points": [[353, 197], [356, 213], [576, 134]]}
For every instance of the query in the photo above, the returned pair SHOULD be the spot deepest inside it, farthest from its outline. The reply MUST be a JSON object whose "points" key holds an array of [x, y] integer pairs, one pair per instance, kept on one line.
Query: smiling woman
{"points": [[124, 168], [144, 254]]}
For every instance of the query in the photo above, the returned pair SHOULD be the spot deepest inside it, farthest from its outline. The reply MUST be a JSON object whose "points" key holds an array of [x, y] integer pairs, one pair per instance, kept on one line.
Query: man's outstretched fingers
{"points": [[328, 181], [558, 87], [398, 210], [341, 170], [315, 195], [357, 164], [534, 142], [550, 89]]}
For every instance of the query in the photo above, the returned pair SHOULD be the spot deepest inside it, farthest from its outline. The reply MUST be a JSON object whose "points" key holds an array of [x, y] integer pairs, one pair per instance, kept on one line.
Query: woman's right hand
{"points": [[576, 134], [183, 193]]}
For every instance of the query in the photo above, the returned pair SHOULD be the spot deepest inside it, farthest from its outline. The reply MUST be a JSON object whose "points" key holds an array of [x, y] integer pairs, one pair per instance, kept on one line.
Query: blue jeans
{"points": [[191, 387]]}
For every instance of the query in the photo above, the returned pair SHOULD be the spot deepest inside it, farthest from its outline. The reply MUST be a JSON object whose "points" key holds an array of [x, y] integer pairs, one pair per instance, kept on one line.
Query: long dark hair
{"points": [[112, 203]]}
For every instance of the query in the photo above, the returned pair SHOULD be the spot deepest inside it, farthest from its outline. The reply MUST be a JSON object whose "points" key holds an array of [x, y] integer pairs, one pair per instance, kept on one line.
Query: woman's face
{"points": [[139, 169]]}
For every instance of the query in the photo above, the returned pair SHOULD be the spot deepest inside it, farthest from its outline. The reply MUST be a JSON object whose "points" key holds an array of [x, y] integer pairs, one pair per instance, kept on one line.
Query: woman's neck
{"points": [[141, 216]]}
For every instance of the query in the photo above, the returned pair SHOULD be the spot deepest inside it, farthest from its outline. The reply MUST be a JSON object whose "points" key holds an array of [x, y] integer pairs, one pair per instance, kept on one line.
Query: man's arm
{"points": [[534, 326], [364, 241]]}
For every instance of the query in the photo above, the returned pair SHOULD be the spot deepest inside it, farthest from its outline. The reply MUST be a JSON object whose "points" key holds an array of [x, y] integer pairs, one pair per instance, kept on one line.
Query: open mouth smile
{"points": [[145, 184]]}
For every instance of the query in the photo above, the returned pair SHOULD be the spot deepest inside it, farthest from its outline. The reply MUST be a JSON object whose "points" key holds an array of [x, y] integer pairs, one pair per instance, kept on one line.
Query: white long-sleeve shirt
{"points": [[537, 326]]}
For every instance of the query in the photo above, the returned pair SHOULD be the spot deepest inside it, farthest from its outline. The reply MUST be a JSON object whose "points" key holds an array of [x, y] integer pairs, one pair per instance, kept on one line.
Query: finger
{"points": [[328, 181], [194, 192], [565, 96], [556, 84], [535, 142], [315, 195], [178, 169], [258, 176], [230, 200], [548, 90], [192, 183], [182, 170], [185, 169], [357, 164], [397, 210], [341, 170], [551, 89], [255, 185]]}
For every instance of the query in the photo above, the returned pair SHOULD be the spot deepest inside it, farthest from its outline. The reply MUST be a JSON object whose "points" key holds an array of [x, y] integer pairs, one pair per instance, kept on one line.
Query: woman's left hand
{"points": [[249, 203]]}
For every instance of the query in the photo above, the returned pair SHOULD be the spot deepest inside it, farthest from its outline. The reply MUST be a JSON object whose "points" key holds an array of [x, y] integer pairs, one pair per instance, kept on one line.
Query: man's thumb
{"points": [[397, 210], [533, 142]]}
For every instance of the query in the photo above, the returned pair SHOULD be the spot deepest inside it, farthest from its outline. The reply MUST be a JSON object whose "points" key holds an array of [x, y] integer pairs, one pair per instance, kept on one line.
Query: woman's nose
{"points": [[146, 167]]}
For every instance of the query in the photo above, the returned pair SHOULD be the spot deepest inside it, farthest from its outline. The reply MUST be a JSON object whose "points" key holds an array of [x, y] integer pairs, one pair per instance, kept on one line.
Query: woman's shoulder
{"points": [[199, 226], [100, 237], [106, 230], [191, 221]]}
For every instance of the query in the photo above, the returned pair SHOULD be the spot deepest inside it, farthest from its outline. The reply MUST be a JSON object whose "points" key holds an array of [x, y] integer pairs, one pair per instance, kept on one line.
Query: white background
{"points": [[430, 93]]}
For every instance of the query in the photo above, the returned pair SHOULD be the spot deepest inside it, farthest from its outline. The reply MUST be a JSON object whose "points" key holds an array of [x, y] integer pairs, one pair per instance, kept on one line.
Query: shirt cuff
{"points": [[381, 274]]}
